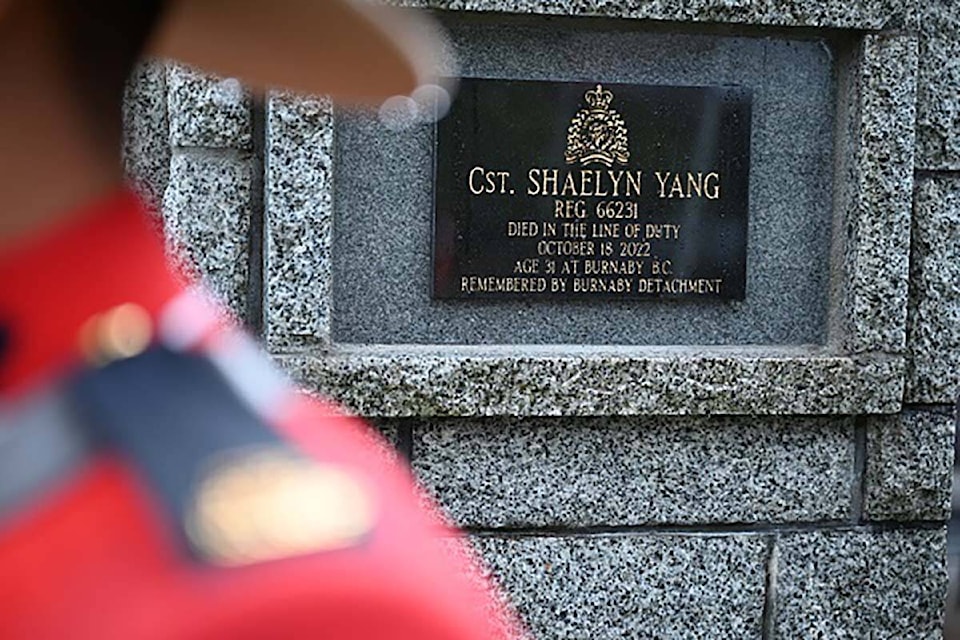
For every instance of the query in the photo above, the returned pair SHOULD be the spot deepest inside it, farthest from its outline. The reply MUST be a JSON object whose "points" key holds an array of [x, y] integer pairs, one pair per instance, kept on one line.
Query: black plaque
{"points": [[583, 190]]}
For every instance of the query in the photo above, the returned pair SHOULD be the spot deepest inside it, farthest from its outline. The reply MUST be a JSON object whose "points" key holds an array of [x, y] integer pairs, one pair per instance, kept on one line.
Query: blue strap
{"points": [[171, 413], [41, 445]]}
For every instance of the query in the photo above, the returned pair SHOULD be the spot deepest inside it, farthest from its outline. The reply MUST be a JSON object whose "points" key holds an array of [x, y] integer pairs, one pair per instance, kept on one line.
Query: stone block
{"points": [[938, 111], [146, 147], [298, 221], [933, 366], [881, 183], [406, 381], [861, 584], [567, 472], [207, 221], [207, 111], [847, 14], [909, 469], [633, 586]]}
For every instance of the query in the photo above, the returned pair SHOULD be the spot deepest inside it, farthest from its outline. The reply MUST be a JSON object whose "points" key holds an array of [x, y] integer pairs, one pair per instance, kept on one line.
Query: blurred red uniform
{"points": [[159, 480]]}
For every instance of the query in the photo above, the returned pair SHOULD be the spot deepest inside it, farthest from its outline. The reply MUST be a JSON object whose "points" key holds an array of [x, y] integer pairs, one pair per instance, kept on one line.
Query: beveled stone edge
{"points": [[796, 13], [464, 382]]}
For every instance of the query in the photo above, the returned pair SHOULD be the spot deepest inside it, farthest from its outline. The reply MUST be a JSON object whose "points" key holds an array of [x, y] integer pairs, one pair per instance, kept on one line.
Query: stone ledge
{"points": [[841, 14], [579, 381]]}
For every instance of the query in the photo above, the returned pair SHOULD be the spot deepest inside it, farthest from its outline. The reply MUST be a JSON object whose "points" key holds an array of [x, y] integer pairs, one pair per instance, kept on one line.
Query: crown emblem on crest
{"points": [[599, 98], [597, 134]]}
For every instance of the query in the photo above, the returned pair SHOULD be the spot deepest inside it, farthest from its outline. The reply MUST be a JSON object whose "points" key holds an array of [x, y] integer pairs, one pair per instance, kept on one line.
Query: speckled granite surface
{"points": [[406, 381]]}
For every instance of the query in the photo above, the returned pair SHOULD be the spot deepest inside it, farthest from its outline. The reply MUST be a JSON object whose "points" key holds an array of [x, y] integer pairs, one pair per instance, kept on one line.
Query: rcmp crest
{"points": [[597, 133]]}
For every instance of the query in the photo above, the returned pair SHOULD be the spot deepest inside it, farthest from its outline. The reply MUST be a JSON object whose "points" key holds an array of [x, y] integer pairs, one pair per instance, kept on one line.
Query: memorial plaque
{"points": [[584, 190]]}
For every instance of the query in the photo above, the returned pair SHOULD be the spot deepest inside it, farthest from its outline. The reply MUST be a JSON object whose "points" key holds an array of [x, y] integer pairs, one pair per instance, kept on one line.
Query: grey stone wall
{"points": [[716, 527], [680, 491]]}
